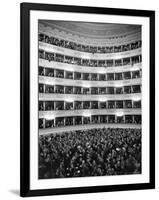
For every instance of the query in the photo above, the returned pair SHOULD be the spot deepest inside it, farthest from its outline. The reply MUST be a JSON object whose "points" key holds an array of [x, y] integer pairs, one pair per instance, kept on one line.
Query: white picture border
{"points": [[36, 183]]}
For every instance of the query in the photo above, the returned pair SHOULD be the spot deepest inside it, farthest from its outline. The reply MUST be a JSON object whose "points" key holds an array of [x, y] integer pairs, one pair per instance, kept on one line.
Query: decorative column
{"points": [[124, 118], [44, 105], [114, 90], [73, 120], [54, 105], [55, 122], [99, 105], [44, 88], [64, 74], [115, 104], [44, 121], [82, 120], [55, 72], [44, 71], [115, 119], [64, 121], [133, 119]]}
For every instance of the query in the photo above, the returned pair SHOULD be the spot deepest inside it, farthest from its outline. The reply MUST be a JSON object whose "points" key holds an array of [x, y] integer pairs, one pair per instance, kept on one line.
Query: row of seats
{"points": [[76, 105], [87, 48], [60, 89], [58, 73], [94, 119], [50, 56]]}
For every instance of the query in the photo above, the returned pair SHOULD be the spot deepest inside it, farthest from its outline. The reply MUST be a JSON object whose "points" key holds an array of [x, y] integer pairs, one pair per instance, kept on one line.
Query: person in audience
{"points": [[92, 152]]}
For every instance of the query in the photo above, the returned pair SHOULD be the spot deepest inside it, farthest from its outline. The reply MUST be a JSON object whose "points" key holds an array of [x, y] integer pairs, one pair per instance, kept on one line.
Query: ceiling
{"points": [[93, 30]]}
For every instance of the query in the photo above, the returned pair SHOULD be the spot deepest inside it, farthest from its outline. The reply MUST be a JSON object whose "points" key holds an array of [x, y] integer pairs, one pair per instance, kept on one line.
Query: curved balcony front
{"points": [[85, 55], [88, 84], [87, 112], [74, 97], [86, 69]]}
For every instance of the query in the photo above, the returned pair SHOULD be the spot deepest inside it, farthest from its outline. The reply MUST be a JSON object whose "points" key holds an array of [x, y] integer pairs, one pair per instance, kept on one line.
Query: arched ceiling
{"points": [[93, 30]]}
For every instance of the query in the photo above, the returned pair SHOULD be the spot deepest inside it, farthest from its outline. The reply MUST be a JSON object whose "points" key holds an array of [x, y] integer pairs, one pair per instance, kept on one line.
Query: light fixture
{"points": [[136, 99], [119, 114], [51, 117], [69, 100], [86, 114]]}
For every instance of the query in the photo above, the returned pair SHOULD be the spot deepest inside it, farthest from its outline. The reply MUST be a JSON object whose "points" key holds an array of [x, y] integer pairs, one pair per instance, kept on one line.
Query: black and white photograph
{"points": [[90, 99], [87, 99]]}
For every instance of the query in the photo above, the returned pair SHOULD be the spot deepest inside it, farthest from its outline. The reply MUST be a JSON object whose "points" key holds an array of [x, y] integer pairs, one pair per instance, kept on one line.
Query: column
{"points": [[55, 73], [124, 118], [122, 62], [114, 90], [106, 104], [99, 105], [91, 119], [73, 105], [107, 118], [44, 121], [73, 73], [115, 103], [44, 71], [133, 119], [131, 74], [81, 76], [44, 88], [113, 63], [64, 121], [115, 119], [139, 59], [64, 105], [130, 60], [124, 104], [82, 120], [55, 122], [114, 76], [44, 105], [64, 74], [54, 105]]}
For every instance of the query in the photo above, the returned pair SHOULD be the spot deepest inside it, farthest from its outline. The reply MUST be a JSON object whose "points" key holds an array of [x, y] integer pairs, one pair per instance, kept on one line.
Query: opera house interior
{"points": [[90, 85]]}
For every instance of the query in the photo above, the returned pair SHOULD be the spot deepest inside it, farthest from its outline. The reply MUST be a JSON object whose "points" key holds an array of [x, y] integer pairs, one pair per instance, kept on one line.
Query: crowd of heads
{"points": [[92, 152], [50, 56], [87, 48]]}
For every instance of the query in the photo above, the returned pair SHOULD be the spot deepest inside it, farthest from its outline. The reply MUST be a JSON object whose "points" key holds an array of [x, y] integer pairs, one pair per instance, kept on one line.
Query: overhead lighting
{"points": [[69, 100], [119, 85], [102, 100], [86, 86], [86, 114], [136, 99], [51, 117], [119, 114]]}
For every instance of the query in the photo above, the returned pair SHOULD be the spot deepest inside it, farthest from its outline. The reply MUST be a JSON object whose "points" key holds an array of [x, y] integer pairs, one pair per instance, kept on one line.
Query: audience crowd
{"points": [[93, 152], [87, 48]]}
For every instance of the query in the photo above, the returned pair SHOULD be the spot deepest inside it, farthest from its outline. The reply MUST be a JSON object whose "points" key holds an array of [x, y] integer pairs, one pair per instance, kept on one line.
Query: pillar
{"points": [[44, 88], [73, 121], [44, 121], [44, 105], [124, 118], [115, 118], [82, 120], [133, 119]]}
